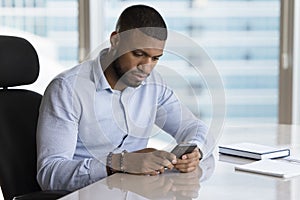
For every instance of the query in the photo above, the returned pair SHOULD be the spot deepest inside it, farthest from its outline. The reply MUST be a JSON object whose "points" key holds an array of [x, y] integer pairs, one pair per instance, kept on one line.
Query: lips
{"points": [[139, 75]]}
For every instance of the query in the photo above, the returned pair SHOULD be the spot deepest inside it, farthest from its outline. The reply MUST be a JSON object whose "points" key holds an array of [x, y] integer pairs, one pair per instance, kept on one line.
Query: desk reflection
{"points": [[169, 185], [225, 183]]}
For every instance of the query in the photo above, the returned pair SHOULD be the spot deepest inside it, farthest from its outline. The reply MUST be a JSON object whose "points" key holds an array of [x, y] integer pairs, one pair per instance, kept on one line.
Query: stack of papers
{"points": [[278, 168], [267, 164]]}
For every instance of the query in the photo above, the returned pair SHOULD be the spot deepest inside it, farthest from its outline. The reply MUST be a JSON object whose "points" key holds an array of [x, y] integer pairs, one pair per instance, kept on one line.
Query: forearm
{"points": [[57, 167], [192, 131], [177, 120], [61, 174]]}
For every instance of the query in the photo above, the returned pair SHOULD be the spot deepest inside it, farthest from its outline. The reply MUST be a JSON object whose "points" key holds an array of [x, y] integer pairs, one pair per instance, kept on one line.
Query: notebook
{"points": [[276, 168], [253, 151]]}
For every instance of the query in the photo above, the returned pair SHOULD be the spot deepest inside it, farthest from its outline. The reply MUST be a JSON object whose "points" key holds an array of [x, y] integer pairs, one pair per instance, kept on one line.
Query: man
{"points": [[96, 118]]}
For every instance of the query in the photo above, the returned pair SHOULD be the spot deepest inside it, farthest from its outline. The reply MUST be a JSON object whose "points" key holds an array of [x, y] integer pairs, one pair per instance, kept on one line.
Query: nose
{"points": [[146, 66]]}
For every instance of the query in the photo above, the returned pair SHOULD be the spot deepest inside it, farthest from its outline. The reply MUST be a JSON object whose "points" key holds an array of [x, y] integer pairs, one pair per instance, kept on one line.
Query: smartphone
{"points": [[182, 149]]}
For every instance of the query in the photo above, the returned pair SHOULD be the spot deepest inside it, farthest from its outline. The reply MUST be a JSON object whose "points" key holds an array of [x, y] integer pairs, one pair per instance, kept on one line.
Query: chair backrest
{"points": [[19, 65]]}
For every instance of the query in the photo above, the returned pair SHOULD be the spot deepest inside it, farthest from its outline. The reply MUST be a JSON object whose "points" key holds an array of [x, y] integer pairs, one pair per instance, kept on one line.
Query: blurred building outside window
{"points": [[52, 28]]}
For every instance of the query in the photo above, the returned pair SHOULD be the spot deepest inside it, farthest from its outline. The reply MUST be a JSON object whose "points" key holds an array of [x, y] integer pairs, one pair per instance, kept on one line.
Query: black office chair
{"points": [[19, 65]]}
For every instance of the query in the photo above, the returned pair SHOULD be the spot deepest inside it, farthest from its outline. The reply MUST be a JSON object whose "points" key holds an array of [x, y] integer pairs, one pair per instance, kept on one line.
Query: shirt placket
{"points": [[123, 100], [124, 103]]}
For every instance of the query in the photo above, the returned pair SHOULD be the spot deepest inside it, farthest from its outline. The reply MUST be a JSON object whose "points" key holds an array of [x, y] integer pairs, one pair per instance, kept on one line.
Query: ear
{"points": [[114, 39]]}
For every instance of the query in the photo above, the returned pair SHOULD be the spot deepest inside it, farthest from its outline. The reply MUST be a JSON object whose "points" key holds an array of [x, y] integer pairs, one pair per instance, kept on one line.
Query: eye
{"points": [[155, 58], [137, 53]]}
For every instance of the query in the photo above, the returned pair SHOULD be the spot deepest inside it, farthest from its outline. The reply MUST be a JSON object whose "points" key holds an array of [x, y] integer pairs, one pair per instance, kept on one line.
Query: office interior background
{"points": [[251, 42]]}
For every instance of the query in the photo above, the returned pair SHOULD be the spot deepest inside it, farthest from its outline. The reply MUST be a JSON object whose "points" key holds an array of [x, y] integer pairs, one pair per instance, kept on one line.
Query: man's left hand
{"points": [[188, 162]]}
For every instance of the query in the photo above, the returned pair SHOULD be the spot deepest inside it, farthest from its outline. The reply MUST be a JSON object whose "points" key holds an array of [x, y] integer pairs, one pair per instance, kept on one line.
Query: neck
{"points": [[112, 78], [108, 67]]}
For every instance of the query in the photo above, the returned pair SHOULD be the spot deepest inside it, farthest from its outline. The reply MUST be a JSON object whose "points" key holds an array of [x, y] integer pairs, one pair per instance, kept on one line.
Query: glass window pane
{"points": [[242, 39], [51, 26]]}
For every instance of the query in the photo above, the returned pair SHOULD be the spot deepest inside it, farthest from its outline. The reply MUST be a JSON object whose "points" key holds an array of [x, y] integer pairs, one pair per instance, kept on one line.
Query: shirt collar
{"points": [[99, 77]]}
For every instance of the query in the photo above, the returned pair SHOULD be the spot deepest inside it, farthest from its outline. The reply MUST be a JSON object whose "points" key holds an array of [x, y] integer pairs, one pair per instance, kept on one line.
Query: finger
{"points": [[167, 164], [194, 154], [166, 155], [170, 166], [157, 164], [187, 166], [162, 163], [189, 160], [152, 173], [162, 170], [198, 153]]}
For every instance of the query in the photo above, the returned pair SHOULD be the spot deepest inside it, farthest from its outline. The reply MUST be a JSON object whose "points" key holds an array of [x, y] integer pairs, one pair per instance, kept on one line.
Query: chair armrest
{"points": [[45, 195]]}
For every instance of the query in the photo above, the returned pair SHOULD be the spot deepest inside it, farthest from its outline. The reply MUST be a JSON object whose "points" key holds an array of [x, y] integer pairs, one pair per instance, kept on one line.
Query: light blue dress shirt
{"points": [[82, 119]]}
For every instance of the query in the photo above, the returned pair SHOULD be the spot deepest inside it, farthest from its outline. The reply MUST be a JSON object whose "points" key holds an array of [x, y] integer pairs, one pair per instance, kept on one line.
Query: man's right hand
{"points": [[148, 161]]}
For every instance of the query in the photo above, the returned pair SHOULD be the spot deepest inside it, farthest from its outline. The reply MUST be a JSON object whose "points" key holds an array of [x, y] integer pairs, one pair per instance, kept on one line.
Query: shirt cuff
{"points": [[97, 170]]}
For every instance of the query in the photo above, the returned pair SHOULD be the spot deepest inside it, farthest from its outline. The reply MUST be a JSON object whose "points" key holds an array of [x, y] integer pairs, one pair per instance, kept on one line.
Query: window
{"points": [[51, 26], [240, 36]]}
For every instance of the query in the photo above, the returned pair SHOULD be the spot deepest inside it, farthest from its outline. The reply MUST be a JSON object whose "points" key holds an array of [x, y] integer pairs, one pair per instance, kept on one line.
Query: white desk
{"points": [[215, 180]]}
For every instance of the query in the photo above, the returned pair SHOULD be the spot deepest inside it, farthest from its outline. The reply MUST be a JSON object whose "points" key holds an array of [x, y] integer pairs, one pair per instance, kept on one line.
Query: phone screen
{"points": [[182, 149]]}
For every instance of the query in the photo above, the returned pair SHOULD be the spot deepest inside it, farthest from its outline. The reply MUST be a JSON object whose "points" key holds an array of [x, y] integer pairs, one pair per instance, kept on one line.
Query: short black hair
{"points": [[144, 18]]}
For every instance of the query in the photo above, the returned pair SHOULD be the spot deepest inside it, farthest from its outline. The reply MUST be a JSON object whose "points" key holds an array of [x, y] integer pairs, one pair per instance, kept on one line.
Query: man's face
{"points": [[139, 54]]}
